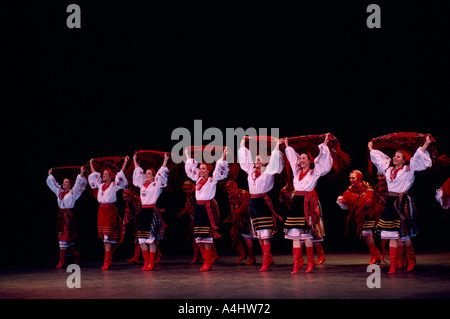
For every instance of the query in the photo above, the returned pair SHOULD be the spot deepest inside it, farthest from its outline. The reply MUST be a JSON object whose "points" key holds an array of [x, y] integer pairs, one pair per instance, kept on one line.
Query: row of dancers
{"points": [[387, 209]]}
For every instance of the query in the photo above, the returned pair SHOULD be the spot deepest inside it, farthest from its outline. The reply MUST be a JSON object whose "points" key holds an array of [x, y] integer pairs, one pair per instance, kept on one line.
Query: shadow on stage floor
{"points": [[342, 276]]}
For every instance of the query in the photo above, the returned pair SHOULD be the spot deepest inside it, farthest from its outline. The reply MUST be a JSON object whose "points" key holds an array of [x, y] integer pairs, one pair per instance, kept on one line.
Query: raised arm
{"points": [[52, 183], [190, 166], [245, 157], [379, 159], [162, 176], [276, 163], [421, 159], [324, 161], [91, 163], [80, 183], [221, 170]]}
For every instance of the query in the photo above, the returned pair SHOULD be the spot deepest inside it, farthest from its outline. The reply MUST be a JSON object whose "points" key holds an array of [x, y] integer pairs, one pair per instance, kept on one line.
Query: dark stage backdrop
{"points": [[133, 73]]}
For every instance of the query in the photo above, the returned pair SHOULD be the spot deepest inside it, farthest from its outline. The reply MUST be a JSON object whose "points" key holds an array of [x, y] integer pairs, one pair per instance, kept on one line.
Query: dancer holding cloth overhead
{"points": [[205, 217], [261, 174]]}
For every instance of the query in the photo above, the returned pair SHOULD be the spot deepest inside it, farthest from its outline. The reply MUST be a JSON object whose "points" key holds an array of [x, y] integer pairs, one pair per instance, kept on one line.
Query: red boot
{"points": [[145, 254], [298, 259], [151, 261], [411, 257], [108, 260], [311, 263], [137, 252], [320, 254], [375, 256], [62, 258], [267, 258], [393, 251], [207, 257]]}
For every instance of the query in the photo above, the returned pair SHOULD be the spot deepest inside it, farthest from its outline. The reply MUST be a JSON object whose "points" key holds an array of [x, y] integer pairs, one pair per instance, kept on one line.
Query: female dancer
{"points": [[397, 222], [205, 227], [108, 219], [149, 226], [67, 196], [358, 200], [260, 181], [304, 219]]}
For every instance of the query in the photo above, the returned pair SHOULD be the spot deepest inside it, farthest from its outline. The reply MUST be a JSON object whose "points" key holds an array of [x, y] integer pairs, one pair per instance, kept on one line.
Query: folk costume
{"points": [[206, 217], [66, 232], [359, 201], [262, 212], [108, 219], [187, 215], [398, 220], [150, 225], [304, 220]]}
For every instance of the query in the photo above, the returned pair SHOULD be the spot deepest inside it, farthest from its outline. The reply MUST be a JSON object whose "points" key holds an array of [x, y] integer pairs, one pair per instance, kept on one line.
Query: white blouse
{"points": [[108, 195], [405, 176], [208, 190], [322, 165], [68, 201], [264, 182], [151, 192]]}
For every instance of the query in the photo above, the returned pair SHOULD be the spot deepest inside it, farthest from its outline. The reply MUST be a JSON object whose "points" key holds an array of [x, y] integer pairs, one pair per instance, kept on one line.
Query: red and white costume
{"points": [[205, 223], [66, 202], [298, 222], [150, 193], [108, 219], [259, 184]]}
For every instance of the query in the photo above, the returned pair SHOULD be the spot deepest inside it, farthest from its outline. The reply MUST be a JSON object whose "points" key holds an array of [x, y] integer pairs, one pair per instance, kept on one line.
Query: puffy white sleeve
{"points": [[120, 181], [420, 161], [53, 185], [79, 187], [191, 169], [162, 177], [380, 160], [221, 170], [276, 163], [245, 159], [138, 176], [95, 179], [323, 162], [292, 156]]}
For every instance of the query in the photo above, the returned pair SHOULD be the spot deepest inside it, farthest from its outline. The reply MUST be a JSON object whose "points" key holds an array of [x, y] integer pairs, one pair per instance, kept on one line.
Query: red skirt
{"points": [[108, 221], [64, 226]]}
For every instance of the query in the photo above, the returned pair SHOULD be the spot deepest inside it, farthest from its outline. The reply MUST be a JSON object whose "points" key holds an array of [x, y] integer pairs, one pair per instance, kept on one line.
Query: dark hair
{"points": [[70, 180], [311, 159]]}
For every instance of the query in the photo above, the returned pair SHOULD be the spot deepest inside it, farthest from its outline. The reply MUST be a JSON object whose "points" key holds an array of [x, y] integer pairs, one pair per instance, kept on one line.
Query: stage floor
{"points": [[341, 276]]}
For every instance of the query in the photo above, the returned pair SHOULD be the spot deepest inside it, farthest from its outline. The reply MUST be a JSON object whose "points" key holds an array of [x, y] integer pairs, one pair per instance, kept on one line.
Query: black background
{"points": [[133, 73]]}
